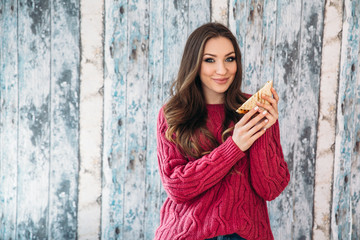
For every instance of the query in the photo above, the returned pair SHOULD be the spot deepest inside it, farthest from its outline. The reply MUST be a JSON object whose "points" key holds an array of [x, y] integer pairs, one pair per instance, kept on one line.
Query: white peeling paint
{"points": [[219, 11], [91, 115], [327, 117]]}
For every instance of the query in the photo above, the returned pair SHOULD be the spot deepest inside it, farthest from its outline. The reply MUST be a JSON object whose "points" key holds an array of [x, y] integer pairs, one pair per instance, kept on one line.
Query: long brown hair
{"points": [[185, 112]]}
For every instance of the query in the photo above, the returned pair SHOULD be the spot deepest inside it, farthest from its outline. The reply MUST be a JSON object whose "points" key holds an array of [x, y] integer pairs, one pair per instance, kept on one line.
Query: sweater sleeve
{"points": [[184, 180], [268, 169]]}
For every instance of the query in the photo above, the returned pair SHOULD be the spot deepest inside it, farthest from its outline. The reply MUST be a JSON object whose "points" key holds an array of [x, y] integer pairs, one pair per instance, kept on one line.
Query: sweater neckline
{"points": [[218, 106]]}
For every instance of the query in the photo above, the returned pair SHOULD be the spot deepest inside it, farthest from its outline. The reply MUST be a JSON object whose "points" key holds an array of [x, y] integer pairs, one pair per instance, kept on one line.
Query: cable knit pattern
{"points": [[206, 199]]}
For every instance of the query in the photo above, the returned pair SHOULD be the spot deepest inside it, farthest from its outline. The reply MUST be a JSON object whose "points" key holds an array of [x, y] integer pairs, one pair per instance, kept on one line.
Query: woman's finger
{"points": [[256, 119], [258, 127], [248, 116], [257, 135], [275, 95], [270, 109]]}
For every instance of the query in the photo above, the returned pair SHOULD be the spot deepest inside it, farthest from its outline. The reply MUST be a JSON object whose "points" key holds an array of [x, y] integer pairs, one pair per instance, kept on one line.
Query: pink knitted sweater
{"points": [[207, 199]]}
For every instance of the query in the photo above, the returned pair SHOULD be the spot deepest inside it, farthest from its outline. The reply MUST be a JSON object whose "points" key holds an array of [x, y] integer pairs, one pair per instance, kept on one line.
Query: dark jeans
{"points": [[233, 236]]}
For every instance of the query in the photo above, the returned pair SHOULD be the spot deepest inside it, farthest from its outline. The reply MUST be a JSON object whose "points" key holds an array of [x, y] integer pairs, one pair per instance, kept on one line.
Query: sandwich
{"points": [[251, 102]]}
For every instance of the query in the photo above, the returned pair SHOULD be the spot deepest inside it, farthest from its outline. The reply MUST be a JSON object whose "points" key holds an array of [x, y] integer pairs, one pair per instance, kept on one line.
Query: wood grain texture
{"points": [[91, 119], [307, 99], [253, 48], [9, 115], [344, 204], [219, 11], [286, 79], [175, 36], [269, 9], [78, 158], [325, 147], [153, 186], [136, 102], [238, 24], [115, 90], [64, 147], [196, 17], [34, 119]]}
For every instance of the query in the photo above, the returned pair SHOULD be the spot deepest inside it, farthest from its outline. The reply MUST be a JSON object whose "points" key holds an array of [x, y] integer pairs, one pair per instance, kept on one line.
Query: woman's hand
{"points": [[272, 109], [250, 128]]}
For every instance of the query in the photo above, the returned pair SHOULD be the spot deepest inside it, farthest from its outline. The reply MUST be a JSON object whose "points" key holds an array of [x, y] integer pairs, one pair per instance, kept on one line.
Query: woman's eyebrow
{"points": [[213, 55], [230, 53]]}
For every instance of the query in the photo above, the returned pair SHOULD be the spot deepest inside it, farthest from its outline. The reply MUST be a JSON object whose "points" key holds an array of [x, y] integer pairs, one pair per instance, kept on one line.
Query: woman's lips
{"points": [[221, 80]]}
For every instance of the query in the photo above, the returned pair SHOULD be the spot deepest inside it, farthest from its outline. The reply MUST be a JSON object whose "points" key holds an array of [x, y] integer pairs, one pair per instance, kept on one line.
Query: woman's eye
{"points": [[209, 60], [230, 59]]}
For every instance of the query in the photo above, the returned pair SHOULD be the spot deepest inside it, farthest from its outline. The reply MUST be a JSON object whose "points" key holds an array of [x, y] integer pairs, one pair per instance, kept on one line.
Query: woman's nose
{"points": [[221, 68]]}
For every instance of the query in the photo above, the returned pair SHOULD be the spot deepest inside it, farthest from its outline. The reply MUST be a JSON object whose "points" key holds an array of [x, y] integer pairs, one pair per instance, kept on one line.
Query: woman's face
{"points": [[218, 69]]}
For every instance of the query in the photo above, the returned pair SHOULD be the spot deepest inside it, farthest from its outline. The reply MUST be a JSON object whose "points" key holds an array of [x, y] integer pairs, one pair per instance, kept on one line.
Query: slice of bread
{"points": [[251, 102]]}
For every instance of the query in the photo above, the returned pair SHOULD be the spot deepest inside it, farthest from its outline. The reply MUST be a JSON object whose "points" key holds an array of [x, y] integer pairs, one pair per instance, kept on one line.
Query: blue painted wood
{"points": [[355, 167], [114, 166], [175, 36], [34, 119], [39, 119], [136, 102], [306, 104], [8, 118], [153, 189], [238, 12], [64, 136], [143, 43], [286, 80], [196, 17], [253, 48], [268, 40], [345, 192]]}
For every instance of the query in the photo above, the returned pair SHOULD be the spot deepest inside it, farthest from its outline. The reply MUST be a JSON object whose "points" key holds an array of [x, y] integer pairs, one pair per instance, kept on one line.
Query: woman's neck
{"points": [[215, 99]]}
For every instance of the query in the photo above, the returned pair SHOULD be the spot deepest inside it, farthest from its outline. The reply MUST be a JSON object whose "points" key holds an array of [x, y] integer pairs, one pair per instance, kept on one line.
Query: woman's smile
{"points": [[218, 69], [221, 80]]}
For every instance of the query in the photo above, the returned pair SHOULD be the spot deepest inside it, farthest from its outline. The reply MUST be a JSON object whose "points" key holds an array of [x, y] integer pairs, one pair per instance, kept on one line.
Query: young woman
{"points": [[218, 167]]}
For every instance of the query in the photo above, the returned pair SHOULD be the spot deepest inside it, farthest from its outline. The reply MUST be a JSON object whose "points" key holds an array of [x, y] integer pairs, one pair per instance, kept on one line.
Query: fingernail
{"points": [[266, 120], [256, 108], [264, 112], [264, 129]]}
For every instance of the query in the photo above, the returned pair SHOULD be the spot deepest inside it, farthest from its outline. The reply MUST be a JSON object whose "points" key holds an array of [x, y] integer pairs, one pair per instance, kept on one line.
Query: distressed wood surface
{"points": [[34, 119], [91, 120], [253, 47], [64, 117], [153, 186], [135, 123], [306, 104], [39, 92], [9, 115], [219, 11], [289, 32], [196, 17], [286, 78], [345, 219], [237, 24], [86, 165], [114, 94], [325, 152], [116, 60]]}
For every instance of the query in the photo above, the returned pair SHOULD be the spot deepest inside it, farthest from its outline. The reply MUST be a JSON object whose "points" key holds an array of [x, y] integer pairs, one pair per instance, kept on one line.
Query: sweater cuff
{"points": [[230, 151]]}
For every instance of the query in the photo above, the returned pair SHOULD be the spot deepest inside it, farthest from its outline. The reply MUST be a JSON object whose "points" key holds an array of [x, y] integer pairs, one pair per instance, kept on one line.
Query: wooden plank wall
{"points": [[39, 158], [81, 84]]}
